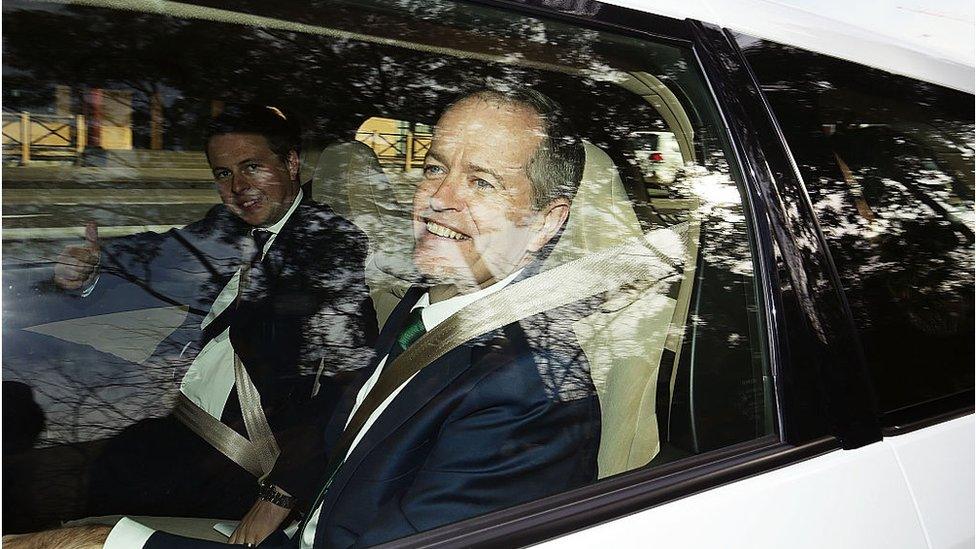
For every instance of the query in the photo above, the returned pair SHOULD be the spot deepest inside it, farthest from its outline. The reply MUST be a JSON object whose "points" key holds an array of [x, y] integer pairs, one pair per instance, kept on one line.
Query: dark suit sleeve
{"points": [[507, 443], [121, 262], [303, 451], [339, 338], [170, 268]]}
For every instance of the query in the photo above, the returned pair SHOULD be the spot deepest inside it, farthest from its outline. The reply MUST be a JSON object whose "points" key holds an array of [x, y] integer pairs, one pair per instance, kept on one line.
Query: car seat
{"points": [[624, 342], [348, 178]]}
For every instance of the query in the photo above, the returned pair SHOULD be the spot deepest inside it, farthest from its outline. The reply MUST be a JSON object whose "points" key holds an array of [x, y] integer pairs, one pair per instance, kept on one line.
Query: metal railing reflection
{"points": [[397, 150], [49, 137]]}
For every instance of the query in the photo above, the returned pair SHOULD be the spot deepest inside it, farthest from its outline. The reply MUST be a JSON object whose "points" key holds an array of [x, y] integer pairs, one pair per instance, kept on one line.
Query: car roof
{"points": [[931, 41]]}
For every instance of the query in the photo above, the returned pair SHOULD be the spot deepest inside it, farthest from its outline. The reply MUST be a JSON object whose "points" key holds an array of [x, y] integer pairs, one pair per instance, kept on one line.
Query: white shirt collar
{"points": [[440, 311], [276, 228]]}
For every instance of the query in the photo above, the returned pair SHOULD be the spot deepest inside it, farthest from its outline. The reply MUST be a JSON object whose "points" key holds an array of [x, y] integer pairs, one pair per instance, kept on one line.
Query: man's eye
{"points": [[431, 170], [252, 167], [484, 184], [221, 174]]}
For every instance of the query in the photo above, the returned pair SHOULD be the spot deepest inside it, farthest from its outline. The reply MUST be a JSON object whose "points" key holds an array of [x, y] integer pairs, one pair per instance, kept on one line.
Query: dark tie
{"points": [[412, 329], [226, 317], [261, 237]]}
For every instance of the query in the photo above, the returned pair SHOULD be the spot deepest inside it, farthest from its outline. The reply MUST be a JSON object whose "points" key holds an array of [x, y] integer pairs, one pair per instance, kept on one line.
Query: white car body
{"points": [[910, 491], [929, 41]]}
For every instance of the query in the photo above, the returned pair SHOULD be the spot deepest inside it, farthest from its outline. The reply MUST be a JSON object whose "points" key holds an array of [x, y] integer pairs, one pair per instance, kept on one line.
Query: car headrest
{"points": [[348, 178], [601, 215]]}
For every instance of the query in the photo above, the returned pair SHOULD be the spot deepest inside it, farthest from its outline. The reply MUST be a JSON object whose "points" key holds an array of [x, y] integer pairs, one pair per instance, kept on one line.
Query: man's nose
{"points": [[446, 195], [239, 183]]}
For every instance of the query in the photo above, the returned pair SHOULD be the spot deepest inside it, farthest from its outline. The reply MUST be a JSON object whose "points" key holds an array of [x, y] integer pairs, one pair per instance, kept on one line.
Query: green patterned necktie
{"points": [[412, 330]]}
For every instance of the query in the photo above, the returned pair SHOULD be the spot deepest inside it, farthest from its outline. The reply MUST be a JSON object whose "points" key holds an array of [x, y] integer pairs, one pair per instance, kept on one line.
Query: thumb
{"points": [[91, 235]]}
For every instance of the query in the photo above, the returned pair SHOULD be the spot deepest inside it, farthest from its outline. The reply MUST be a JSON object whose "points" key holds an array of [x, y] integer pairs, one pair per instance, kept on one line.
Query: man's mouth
{"points": [[248, 204], [442, 231]]}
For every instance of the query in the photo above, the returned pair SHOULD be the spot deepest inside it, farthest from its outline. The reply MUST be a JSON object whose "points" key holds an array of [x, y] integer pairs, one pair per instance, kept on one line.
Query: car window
{"points": [[888, 162], [148, 241]]}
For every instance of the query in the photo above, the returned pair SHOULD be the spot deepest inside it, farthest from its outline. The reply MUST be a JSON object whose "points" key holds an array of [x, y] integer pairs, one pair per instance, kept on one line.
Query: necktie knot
{"points": [[412, 329], [261, 237]]}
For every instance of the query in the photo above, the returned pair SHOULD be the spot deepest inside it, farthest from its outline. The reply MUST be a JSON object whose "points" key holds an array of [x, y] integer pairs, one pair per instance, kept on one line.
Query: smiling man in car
{"points": [[502, 418], [278, 288]]}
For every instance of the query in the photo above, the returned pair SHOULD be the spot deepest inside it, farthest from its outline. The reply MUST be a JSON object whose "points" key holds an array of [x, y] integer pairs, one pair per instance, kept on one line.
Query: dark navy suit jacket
{"points": [[507, 418]]}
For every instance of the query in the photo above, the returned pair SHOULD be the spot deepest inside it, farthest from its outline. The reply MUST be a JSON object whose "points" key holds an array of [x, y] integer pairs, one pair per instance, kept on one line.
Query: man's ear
{"points": [[294, 165], [553, 217]]}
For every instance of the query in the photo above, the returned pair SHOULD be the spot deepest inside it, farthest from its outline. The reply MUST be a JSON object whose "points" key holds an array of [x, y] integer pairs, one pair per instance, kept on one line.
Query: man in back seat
{"points": [[277, 281], [506, 417]]}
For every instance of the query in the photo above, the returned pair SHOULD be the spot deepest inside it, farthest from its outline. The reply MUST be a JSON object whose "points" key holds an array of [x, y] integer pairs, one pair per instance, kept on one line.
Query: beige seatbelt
{"points": [[676, 331], [259, 451], [863, 208]]}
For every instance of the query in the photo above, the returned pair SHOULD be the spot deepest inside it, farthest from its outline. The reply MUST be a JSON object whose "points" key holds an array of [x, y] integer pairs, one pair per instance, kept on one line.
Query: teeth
{"points": [[441, 230]]}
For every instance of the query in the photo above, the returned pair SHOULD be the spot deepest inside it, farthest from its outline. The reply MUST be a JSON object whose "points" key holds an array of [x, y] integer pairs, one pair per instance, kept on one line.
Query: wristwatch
{"points": [[267, 492]]}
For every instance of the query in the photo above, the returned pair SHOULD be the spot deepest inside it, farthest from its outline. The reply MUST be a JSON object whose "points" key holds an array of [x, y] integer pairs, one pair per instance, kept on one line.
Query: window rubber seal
{"points": [[617, 496], [928, 413]]}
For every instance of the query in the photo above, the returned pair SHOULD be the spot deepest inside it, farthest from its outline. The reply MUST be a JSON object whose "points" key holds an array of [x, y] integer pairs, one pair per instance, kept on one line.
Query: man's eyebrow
{"points": [[493, 172], [432, 154]]}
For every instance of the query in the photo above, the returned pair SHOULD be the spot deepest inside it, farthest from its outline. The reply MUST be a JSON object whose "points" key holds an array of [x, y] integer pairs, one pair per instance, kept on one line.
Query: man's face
{"points": [[252, 180], [473, 215]]}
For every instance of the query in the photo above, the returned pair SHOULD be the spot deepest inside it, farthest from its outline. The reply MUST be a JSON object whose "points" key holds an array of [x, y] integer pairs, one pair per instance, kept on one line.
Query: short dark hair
{"points": [[556, 166], [282, 132]]}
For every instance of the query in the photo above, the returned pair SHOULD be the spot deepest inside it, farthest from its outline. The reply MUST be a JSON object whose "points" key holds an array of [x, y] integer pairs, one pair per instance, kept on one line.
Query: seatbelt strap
{"points": [[857, 191], [677, 328], [652, 258], [257, 453]]}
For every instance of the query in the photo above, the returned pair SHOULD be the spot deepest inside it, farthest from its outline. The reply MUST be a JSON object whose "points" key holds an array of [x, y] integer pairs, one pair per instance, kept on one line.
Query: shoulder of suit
{"points": [[316, 217], [219, 214], [538, 353]]}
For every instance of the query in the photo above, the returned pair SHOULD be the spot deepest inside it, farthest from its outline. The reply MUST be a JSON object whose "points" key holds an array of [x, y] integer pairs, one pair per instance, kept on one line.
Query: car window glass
{"points": [[888, 162], [644, 344]]}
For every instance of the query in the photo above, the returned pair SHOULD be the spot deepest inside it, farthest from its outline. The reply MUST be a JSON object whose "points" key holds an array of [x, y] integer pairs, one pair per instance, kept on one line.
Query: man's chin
{"points": [[256, 218], [435, 271]]}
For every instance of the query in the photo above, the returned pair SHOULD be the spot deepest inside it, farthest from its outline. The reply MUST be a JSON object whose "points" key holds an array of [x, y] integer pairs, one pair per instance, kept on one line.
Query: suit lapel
{"points": [[383, 343], [415, 395], [395, 322], [286, 261], [287, 244]]}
